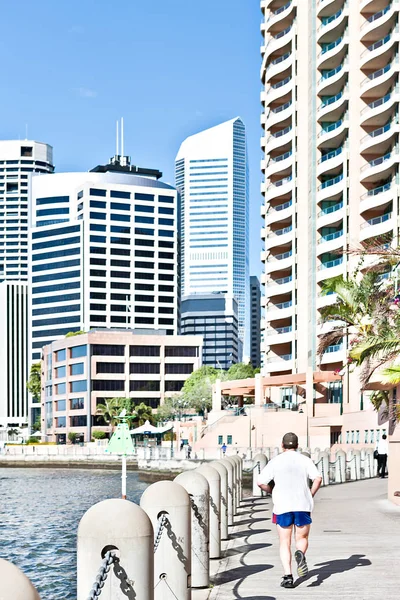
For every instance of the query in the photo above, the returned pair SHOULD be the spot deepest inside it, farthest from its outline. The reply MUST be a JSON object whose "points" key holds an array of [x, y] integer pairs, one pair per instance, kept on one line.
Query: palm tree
{"points": [[110, 410], [142, 413]]}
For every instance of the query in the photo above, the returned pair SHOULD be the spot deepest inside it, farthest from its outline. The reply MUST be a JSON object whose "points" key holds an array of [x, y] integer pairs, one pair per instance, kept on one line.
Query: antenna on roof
{"points": [[122, 141], [117, 140]]}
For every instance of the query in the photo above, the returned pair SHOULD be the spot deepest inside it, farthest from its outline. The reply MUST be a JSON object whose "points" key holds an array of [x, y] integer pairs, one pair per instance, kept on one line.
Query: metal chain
{"points": [[97, 588], [161, 525]]}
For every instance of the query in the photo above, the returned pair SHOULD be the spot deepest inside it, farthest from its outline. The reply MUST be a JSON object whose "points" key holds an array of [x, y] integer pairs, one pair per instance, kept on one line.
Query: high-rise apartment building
{"points": [[330, 100], [103, 253], [212, 177], [215, 317], [255, 322], [18, 161]]}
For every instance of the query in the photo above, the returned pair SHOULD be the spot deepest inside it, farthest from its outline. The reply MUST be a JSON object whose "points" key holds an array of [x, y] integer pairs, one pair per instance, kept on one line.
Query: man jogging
{"points": [[293, 502], [382, 449]]}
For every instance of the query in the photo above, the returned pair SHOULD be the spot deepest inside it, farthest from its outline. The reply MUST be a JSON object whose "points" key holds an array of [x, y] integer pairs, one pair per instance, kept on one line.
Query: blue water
{"points": [[40, 510]]}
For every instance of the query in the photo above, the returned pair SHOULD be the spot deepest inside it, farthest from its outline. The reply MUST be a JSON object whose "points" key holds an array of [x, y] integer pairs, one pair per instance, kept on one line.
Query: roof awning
{"points": [[246, 387], [148, 429]]}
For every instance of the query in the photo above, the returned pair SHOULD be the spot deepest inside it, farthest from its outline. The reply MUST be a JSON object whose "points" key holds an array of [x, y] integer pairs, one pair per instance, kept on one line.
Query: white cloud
{"points": [[83, 92]]}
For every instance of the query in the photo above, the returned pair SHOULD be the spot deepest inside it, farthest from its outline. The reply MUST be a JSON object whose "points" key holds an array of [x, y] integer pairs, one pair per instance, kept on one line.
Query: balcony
{"points": [[377, 197], [281, 163], [278, 139], [379, 139], [331, 160], [279, 335], [330, 209], [280, 15], [376, 226], [279, 237], [379, 82], [276, 363], [331, 81], [376, 55], [379, 111], [276, 66], [279, 114], [279, 262], [279, 89], [277, 287], [327, 137], [279, 188], [379, 23], [327, 30], [333, 354], [281, 212], [330, 268], [278, 41], [330, 242], [330, 187], [379, 168]]}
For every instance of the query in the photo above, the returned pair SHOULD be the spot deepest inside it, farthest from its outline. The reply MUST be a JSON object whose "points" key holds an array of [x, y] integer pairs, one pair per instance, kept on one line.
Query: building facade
{"points": [[18, 161], [212, 177], [215, 318], [330, 118], [255, 322], [83, 371], [104, 253]]}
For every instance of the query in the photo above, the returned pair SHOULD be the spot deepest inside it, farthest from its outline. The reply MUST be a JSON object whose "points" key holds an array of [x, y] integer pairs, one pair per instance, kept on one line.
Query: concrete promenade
{"points": [[354, 551]]}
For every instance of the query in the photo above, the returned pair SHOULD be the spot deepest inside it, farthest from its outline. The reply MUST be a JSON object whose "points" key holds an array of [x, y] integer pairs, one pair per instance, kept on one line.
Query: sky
{"points": [[171, 68]]}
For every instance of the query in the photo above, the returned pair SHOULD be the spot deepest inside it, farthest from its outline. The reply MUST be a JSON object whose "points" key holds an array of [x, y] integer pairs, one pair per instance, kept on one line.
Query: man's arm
{"points": [[265, 477], [316, 485], [265, 487]]}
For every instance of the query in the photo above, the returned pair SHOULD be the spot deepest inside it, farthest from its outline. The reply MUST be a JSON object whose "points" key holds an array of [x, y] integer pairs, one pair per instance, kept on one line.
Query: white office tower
{"points": [[103, 253], [212, 177], [18, 160], [330, 71]]}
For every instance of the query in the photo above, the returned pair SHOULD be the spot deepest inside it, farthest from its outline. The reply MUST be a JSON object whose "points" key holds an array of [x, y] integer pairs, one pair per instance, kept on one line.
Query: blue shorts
{"points": [[297, 518]]}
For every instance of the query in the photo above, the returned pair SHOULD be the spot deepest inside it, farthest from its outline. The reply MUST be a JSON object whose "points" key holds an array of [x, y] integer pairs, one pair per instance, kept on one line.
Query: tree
{"points": [[197, 389], [72, 437], [37, 424], [172, 407], [74, 333], [34, 381], [240, 371], [142, 413], [111, 409], [98, 435]]}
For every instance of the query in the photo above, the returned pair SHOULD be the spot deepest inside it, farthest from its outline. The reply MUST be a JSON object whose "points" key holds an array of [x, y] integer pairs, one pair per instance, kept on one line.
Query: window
{"points": [[378, 435], [169, 255], [98, 261], [141, 298], [168, 199], [163, 244], [149, 220], [60, 372], [97, 215], [57, 254], [165, 222], [61, 355], [357, 437], [116, 194], [57, 275], [97, 273], [166, 299], [174, 386], [144, 320], [77, 369], [220, 440], [120, 229], [98, 318], [142, 231], [107, 350], [75, 262], [165, 210], [176, 351], [45, 212], [372, 436], [144, 386], [80, 421], [61, 421], [144, 350], [78, 351], [366, 432], [98, 284], [144, 286], [61, 405], [52, 200], [149, 197], [106, 367], [165, 288], [148, 209], [121, 251], [139, 275], [116, 217], [229, 440], [98, 296], [165, 277], [26, 151], [144, 368], [78, 386], [105, 385], [97, 204], [144, 242], [166, 233], [97, 227], [61, 388], [120, 263], [120, 206], [77, 403], [96, 192], [56, 288], [179, 369]]}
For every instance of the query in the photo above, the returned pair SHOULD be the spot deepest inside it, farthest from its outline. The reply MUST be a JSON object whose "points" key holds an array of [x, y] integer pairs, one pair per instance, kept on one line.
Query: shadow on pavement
{"points": [[244, 549], [334, 567], [239, 573]]}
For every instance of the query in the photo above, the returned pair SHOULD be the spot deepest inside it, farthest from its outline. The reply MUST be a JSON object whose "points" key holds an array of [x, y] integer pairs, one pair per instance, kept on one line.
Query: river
{"points": [[40, 510]]}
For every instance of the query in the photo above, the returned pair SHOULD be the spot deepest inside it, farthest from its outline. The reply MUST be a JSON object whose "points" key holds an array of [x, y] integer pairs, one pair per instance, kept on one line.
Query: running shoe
{"points": [[302, 568], [287, 581]]}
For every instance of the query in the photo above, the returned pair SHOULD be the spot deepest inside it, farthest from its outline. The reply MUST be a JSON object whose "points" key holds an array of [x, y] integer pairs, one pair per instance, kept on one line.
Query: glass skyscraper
{"points": [[212, 177]]}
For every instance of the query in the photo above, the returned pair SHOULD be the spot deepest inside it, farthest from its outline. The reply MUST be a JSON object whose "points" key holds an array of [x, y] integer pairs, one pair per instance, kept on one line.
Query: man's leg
{"points": [[285, 541], [379, 464], [302, 534], [383, 468]]}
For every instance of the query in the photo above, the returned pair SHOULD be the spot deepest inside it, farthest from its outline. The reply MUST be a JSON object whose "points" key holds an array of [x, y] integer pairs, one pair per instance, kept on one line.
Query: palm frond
{"points": [[391, 375], [329, 339]]}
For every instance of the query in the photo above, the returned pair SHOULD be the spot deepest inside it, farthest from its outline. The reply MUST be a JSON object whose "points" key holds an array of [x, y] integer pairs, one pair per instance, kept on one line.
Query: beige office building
{"points": [[330, 103]]}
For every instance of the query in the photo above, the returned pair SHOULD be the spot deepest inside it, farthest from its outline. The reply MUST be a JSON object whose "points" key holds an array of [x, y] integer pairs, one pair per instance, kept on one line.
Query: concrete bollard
{"points": [[267, 452], [14, 584], [223, 473], [121, 525], [234, 482], [368, 462], [275, 452], [240, 459], [238, 479], [351, 465], [214, 481], [340, 466], [260, 461], [172, 557], [323, 467], [230, 471], [198, 489]]}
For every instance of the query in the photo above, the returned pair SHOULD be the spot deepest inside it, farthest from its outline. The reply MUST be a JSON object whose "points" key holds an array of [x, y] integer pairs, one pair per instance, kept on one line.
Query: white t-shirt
{"points": [[382, 446], [291, 472]]}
